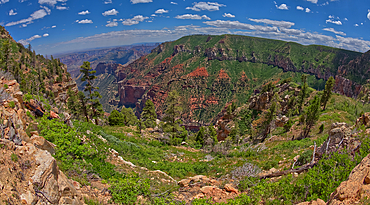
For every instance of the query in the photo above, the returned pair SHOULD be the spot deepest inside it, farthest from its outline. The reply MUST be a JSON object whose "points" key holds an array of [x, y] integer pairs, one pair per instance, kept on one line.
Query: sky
{"points": [[60, 26]]}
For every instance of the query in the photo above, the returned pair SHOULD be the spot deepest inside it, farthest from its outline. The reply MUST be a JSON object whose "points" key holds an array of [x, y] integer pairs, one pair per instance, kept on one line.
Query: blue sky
{"points": [[56, 26]]}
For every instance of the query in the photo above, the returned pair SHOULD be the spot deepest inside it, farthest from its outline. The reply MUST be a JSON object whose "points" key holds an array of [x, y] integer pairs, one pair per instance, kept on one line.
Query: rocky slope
{"points": [[30, 175], [210, 71]]}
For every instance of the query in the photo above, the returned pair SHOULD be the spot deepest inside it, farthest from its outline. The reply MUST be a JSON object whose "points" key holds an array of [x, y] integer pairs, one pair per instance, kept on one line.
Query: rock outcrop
{"points": [[29, 173], [357, 186], [200, 186]]}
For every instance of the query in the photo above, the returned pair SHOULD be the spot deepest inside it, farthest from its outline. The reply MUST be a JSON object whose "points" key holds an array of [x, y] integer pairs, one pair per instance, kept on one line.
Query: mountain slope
{"points": [[210, 71]]}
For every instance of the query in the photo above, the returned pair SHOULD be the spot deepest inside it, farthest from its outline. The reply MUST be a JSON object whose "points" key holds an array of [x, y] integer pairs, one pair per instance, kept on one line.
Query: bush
{"points": [[12, 104], [116, 118], [125, 190], [305, 158], [6, 86], [14, 157]]}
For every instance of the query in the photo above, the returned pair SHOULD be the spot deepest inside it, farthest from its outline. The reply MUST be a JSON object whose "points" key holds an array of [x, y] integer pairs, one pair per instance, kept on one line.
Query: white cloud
{"points": [[45, 35], [239, 25], [110, 12], [28, 40], [192, 16], [54, 26], [300, 8], [334, 31], [282, 7], [308, 10], [83, 12], [153, 15], [3, 1], [173, 3], [345, 19], [140, 1], [51, 2], [368, 15], [108, 2], [35, 15], [129, 22], [136, 20], [12, 12], [139, 18], [161, 11], [84, 21], [229, 15], [313, 1], [334, 22], [283, 24], [62, 8], [210, 6], [111, 24], [356, 24]]}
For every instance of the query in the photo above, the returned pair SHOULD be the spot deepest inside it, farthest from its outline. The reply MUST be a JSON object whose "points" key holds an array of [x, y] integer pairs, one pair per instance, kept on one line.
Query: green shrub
{"points": [[305, 158], [12, 104], [6, 86], [125, 190], [14, 157]]}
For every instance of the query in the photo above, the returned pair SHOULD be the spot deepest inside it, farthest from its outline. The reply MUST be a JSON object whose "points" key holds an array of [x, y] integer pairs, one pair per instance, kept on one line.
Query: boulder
{"points": [[43, 144], [355, 188]]}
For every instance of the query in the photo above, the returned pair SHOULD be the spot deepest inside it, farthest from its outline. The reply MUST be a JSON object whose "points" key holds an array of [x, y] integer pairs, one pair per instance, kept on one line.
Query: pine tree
{"points": [[148, 116], [327, 92], [172, 112], [5, 49], [200, 136], [116, 118], [312, 115], [303, 93], [83, 104], [270, 116], [93, 95], [72, 104]]}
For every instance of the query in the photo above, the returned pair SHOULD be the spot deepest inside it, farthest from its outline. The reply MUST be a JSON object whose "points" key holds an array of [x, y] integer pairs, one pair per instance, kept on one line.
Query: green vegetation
{"points": [[14, 157], [148, 116]]}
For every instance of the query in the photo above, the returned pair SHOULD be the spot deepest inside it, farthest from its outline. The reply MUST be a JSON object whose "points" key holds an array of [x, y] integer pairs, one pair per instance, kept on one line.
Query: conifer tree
{"points": [[72, 104], [172, 112], [270, 116], [303, 93], [5, 49], [93, 94], [327, 92], [312, 115], [83, 104], [200, 136], [116, 118], [148, 116]]}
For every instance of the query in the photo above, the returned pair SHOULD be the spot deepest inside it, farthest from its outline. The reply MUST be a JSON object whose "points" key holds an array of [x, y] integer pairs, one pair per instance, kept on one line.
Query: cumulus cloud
{"points": [[239, 25], [229, 15], [334, 31], [111, 23], [313, 1], [3, 1], [39, 14], [108, 2], [110, 12], [83, 12], [62, 8], [210, 6], [54, 26], [308, 10], [28, 40], [84, 21], [283, 24], [173, 3], [282, 7], [12, 12], [368, 15], [51, 2], [192, 16], [161, 11], [140, 1], [334, 22], [136, 20], [45, 35], [300, 8]]}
